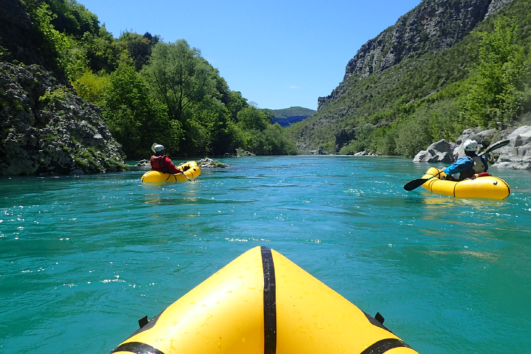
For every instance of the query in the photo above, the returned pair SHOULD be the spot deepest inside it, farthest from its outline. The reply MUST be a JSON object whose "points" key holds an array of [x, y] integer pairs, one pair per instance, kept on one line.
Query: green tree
{"points": [[72, 18], [251, 118], [139, 47], [102, 51], [135, 119], [498, 89], [91, 87], [178, 76], [64, 52]]}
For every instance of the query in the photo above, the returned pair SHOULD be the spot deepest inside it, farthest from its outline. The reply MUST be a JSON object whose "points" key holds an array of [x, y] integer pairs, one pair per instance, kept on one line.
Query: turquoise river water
{"points": [[83, 258]]}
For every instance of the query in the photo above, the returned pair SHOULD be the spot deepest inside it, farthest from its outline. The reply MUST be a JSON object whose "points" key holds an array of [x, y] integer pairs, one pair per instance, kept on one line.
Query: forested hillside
{"points": [[292, 112], [146, 90], [288, 116], [419, 81]]}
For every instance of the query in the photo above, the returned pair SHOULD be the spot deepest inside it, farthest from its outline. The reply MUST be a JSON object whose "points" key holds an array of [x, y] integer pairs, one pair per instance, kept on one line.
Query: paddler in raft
{"points": [[162, 163], [469, 166]]}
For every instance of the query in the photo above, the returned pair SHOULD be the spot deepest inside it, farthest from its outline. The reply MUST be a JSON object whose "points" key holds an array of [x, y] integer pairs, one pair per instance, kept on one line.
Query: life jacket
{"points": [[158, 163], [478, 167]]}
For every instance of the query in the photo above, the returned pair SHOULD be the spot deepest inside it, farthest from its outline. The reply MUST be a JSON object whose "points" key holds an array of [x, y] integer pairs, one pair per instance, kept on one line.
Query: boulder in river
{"points": [[209, 163], [441, 151]]}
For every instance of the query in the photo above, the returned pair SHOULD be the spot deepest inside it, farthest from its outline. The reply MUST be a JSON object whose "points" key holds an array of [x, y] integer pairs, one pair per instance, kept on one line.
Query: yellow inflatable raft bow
{"points": [[263, 303], [481, 187], [190, 168]]}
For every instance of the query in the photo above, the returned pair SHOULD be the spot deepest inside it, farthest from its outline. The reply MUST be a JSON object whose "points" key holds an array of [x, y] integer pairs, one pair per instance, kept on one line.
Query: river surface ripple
{"points": [[83, 258]]}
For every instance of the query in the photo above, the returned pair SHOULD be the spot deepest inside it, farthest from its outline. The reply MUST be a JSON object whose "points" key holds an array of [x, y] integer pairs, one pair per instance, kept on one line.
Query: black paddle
{"points": [[420, 181], [496, 145]]}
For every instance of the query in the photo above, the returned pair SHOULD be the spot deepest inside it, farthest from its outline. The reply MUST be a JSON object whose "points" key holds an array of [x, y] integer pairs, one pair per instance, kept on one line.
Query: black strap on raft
{"points": [[270, 307], [377, 321], [143, 321], [379, 318], [137, 348], [384, 345]]}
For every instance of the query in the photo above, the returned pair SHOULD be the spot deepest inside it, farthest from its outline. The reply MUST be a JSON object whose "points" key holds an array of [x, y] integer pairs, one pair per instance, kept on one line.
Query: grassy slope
{"points": [[381, 99]]}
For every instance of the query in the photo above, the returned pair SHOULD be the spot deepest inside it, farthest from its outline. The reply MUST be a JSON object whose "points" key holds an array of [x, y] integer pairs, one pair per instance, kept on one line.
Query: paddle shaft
{"points": [[184, 176], [418, 182]]}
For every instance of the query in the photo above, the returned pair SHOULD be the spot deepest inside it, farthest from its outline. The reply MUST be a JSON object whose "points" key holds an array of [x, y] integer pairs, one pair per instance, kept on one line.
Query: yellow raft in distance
{"points": [[481, 187], [190, 168], [263, 303]]}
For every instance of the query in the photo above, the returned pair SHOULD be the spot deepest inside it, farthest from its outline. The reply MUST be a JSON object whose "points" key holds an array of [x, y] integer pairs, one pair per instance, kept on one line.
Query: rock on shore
{"points": [[516, 155]]}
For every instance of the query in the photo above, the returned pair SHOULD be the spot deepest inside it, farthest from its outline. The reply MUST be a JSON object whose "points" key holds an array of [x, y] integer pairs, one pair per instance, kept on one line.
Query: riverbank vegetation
{"points": [[151, 91], [481, 81]]}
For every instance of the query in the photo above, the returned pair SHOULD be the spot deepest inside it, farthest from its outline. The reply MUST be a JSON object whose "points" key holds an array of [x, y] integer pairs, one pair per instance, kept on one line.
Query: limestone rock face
{"points": [[516, 155], [46, 129], [482, 137], [441, 151], [432, 26], [497, 5]]}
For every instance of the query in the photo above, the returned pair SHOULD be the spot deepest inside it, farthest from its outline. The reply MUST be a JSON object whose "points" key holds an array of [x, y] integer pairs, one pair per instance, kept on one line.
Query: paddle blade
{"points": [[415, 184], [495, 146]]}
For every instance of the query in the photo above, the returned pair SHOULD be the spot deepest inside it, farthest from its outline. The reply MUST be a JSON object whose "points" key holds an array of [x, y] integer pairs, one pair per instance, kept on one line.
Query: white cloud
{"points": [[293, 87]]}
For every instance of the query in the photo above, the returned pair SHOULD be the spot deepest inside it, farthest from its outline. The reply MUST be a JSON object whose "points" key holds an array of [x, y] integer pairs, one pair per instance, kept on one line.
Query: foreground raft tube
{"points": [[190, 168], [481, 187], [263, 303]]}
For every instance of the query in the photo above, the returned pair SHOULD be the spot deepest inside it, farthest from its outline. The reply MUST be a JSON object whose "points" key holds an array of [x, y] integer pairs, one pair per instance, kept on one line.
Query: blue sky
{"points": [[278, 54]]}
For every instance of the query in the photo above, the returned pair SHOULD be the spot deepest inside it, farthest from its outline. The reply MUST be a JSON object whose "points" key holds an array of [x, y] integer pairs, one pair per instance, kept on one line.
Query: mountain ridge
{"points": [[291, 112], [365, 108], [417, 32]]}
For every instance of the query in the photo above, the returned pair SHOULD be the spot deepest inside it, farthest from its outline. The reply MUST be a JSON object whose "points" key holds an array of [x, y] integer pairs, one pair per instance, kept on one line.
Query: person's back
{"points": [[162, 163], [469, 165]]}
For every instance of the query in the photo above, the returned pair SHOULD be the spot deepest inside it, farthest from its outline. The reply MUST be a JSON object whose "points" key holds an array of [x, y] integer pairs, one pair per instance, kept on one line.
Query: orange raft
{"points": [[263, 303], [481, 187]]}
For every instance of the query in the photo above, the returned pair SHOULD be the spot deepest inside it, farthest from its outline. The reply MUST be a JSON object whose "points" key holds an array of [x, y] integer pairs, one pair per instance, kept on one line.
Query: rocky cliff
{"points": [[433, 25], [45, 128]]}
